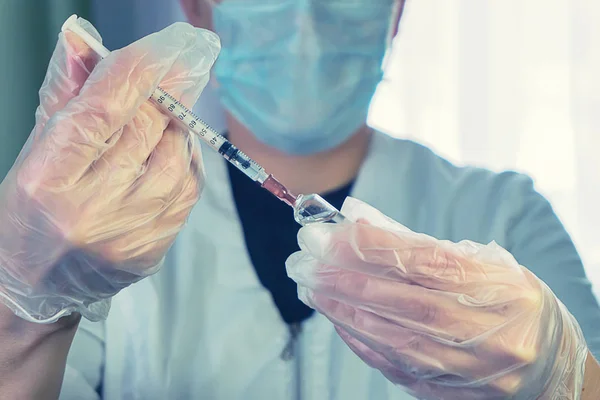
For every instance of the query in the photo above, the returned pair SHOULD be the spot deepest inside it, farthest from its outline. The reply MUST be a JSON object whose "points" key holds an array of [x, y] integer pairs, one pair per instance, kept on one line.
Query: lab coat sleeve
{"points": [[538, 240], [83, 374]]}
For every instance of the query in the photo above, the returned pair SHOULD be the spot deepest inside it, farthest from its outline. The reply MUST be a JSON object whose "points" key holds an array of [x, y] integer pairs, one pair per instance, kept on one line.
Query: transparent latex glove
{"points": [[445, 320], [105, 181]]}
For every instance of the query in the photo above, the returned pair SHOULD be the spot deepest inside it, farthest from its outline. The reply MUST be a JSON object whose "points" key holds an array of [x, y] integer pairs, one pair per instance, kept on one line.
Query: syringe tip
{"points": [[280, 191]]}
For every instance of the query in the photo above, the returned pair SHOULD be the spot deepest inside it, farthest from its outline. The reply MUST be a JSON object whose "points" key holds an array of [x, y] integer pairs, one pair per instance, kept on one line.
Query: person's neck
{"points": [[315, 173]]}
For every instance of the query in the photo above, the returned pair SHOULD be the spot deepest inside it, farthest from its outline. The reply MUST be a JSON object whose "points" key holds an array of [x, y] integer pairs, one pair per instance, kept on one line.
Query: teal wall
{"points": [[28, 32]]}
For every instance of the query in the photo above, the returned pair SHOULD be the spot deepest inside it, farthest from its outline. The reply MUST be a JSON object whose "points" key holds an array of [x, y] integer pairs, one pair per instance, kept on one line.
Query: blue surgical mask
{"points": [[300, 74]]}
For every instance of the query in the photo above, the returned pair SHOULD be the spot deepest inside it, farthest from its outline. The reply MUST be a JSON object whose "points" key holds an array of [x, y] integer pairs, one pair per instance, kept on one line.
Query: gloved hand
{"points": [[105, 181], [445, 320]]}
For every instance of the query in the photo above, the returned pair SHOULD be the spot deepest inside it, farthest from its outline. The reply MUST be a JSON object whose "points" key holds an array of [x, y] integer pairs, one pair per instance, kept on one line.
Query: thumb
{"points": [[70, 66], [363, 213]]}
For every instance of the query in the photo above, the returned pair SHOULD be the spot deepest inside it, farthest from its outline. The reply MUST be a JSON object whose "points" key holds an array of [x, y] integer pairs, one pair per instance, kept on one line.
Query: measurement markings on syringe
{"points": [[187, 117]]}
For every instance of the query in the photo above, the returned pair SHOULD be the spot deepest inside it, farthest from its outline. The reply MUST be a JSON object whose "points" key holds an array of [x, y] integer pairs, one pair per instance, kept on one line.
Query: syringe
{"points": [[307, 208]]}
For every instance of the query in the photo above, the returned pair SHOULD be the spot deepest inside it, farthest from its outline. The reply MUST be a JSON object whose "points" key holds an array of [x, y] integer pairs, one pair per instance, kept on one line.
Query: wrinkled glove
{"points": [[105, 181], [445, 320]]}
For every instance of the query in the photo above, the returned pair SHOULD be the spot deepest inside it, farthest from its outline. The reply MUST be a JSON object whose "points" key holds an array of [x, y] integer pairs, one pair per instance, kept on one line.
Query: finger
{"points": [[71, 64], [374, 359], [408, 257], [414, 355], [442, 362], [124, 204], [168, 167], [135, 232], [369, 249], [415, 386], [69, 67], [359, 211], [155, 237], [191, 72], [144, 222], [401, 347], [114, 92], [187, 195], [126, 78], [418, 387], [429, 390], [410, 306], [159, 234], [185, 81], [502, 386], [444, 314], [133, 145], [492, 254]]}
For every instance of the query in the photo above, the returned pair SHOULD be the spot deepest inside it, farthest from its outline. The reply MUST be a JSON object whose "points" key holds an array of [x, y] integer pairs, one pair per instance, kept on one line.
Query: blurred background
{"points": [[506, 84]]}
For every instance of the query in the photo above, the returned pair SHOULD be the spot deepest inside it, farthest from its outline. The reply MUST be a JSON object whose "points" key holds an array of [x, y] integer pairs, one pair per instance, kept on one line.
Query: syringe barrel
{"points": [[188, 120], [180, 113]]}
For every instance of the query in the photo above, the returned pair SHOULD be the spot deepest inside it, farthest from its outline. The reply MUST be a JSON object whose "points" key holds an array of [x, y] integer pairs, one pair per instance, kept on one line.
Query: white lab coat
{"points": [[205, 328]]}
